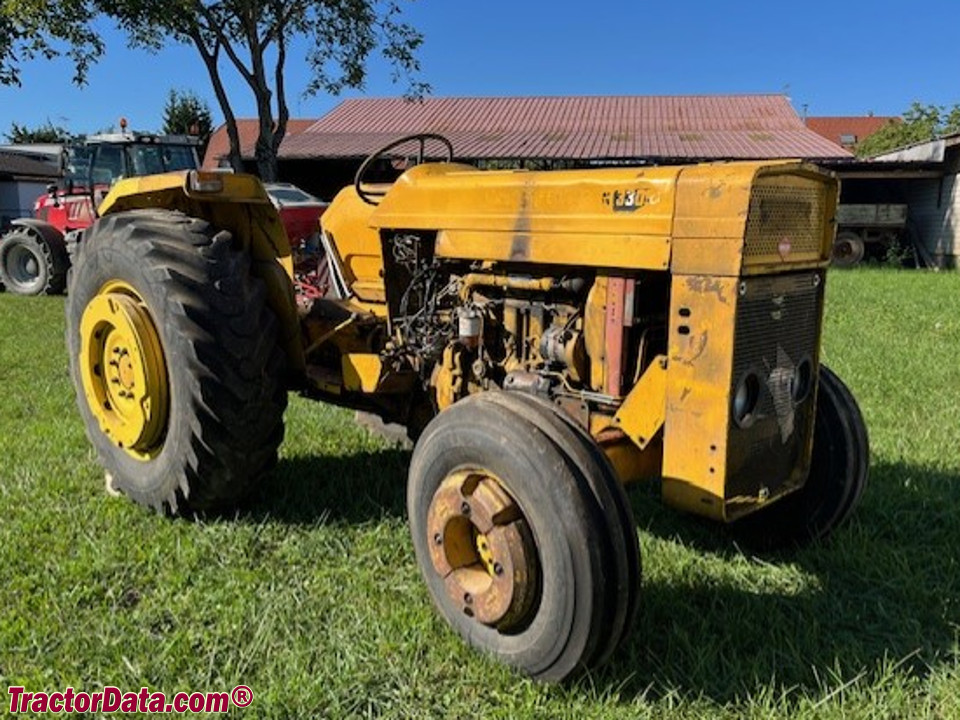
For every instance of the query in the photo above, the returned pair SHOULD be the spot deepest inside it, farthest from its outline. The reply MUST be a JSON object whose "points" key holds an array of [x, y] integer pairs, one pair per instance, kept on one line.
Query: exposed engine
{"points": [[466, 327]]}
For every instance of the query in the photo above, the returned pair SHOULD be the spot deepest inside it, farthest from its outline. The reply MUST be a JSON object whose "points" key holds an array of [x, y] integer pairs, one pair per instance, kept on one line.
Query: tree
{"points": [[250, 36], [187, 114], [47, 133], [47, 29], [920, 123]]}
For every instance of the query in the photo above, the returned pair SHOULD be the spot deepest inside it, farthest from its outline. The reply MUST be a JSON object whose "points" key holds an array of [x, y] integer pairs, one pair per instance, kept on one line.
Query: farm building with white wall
{"points": [[934, 199], [23, 178]]}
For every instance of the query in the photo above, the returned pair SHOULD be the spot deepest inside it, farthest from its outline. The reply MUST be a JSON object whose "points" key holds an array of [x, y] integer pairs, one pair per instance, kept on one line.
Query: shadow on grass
{"points": [[352, 489], [882, 592]]}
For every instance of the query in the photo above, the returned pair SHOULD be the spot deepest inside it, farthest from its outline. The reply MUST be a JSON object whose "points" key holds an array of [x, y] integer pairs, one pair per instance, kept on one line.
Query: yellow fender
{"points": [[239, 204]]}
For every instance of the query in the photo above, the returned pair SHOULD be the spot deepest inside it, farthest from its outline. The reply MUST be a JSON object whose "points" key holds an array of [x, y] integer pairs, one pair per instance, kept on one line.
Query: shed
{"points": [[933, 197], [23, 178]]}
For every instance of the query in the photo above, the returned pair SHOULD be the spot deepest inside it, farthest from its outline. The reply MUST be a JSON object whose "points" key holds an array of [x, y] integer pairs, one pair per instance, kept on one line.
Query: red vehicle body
{"points": [[300, 214], [65, 212], [35, 252]]}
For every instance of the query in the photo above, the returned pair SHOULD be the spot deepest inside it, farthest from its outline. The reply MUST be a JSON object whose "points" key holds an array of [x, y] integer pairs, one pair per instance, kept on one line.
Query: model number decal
{"points": [[627, 200]]}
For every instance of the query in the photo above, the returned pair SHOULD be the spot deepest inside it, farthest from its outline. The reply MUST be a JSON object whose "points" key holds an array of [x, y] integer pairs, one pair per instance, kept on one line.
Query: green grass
{"points": [[310, 594]]}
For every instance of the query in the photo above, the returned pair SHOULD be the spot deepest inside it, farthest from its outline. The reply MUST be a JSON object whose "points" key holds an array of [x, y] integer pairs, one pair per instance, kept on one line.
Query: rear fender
{"points": [[236, 203], [44, 230]]}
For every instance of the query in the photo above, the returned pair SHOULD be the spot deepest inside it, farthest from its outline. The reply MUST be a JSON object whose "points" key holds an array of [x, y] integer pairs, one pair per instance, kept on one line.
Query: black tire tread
{"points": [[814, 511], [232, 396], [50, 249], [554, 498], [620, 536]]}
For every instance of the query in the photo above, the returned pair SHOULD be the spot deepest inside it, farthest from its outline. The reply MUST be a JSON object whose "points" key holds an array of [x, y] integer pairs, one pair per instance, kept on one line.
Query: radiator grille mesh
{"points": [[777, 328], [782, 212]]}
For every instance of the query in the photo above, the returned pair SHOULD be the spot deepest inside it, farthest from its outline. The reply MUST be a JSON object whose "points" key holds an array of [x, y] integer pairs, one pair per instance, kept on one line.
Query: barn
{"points": [[543, 132]]}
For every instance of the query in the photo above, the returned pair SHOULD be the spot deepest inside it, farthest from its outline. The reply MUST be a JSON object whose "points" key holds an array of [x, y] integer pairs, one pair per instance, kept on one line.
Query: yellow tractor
{"points": [[544, 337]]}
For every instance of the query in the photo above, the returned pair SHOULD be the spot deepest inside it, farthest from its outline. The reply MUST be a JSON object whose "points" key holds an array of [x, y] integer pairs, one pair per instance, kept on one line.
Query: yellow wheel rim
{"points": [[123, 371]]}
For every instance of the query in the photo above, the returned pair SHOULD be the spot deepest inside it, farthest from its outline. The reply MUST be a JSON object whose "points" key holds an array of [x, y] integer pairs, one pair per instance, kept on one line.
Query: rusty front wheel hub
{"points": [[481, 546]]}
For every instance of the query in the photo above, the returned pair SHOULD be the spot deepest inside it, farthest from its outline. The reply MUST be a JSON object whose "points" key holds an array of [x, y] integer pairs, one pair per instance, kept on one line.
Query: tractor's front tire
{"points": [[838, 475], [175, 360], [32, 263], [618, 529], [522, 553]]}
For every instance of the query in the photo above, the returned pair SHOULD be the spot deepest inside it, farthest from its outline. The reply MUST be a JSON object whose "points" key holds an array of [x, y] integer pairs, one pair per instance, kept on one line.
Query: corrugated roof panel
{"points": [[619, 127], [219, 145], [18, 164]]}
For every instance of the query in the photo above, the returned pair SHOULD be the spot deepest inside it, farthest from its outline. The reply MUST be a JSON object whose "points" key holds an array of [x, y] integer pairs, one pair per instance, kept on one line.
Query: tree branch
{"points": [[283, 112], [214, 25], [210, 59]]}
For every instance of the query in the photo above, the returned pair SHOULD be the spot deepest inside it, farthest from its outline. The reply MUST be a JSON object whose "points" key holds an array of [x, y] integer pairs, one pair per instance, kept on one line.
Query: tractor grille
{"points": [[777, 329], [784, 216]]}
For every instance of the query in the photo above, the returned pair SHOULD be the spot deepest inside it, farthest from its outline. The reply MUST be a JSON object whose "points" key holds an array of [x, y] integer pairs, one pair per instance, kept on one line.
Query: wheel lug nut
{"points": [[497, 569], [438, 539], [468, 598], [465, 508]]}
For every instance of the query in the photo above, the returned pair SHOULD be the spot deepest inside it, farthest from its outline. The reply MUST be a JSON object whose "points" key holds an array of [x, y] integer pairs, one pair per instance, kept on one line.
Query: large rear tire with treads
{"points": [[175, 359], [32, 262]]}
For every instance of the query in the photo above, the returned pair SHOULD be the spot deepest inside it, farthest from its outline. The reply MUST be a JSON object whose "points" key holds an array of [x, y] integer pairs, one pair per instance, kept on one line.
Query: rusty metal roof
{"points": [[248, 128], [574, 128]]}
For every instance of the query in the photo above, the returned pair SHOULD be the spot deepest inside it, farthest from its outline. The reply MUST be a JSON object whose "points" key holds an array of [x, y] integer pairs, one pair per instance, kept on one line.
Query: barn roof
{"points": [[838, 129], [615, 128], [248, 128]]}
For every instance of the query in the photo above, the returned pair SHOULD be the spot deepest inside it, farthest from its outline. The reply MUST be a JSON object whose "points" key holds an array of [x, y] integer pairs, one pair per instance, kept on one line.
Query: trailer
{"points": [[871, 231]]}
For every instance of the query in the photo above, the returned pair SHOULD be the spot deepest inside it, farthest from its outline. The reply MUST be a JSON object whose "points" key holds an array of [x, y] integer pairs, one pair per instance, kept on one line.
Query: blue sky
{"points": [[835, 58]]}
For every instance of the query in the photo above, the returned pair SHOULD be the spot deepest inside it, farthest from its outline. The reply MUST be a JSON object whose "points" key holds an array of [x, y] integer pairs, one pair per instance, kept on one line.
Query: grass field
{"points": [[310, 594]]}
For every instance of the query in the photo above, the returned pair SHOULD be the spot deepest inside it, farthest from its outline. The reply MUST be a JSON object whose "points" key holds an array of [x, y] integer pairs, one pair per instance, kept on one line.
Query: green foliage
{"points": [[310, 595], [186, 113], [46, 133], [920, 123], [31, 29], [252, 36]]}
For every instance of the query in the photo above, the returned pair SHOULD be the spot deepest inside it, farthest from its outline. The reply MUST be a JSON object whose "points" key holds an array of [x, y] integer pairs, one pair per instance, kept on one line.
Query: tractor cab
{"points": [[35, 253], [91, 167], [114, 156], [119, 155]]}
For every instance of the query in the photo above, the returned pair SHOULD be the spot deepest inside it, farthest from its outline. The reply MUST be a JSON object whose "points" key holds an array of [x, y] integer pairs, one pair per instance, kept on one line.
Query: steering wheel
{"points": [[372, 197]]}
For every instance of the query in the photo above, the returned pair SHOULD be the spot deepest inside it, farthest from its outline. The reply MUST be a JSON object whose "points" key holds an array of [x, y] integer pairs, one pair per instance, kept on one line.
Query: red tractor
{"points": [[35, 252]]}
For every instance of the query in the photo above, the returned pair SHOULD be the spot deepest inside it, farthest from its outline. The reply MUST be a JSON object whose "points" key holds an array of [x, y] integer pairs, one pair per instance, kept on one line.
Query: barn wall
{"points": [[935, 211]]}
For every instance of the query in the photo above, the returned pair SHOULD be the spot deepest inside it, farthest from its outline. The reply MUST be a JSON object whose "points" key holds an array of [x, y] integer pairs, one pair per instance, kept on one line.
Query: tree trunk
{"points": [[210, 61], [266, 165]]}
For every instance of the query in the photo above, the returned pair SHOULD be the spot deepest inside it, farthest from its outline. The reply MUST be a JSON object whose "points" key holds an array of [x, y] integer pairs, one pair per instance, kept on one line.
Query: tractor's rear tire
{"points": [[620, 544], [32, 263], [510, 539], [175, 360], [838, 475]]}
